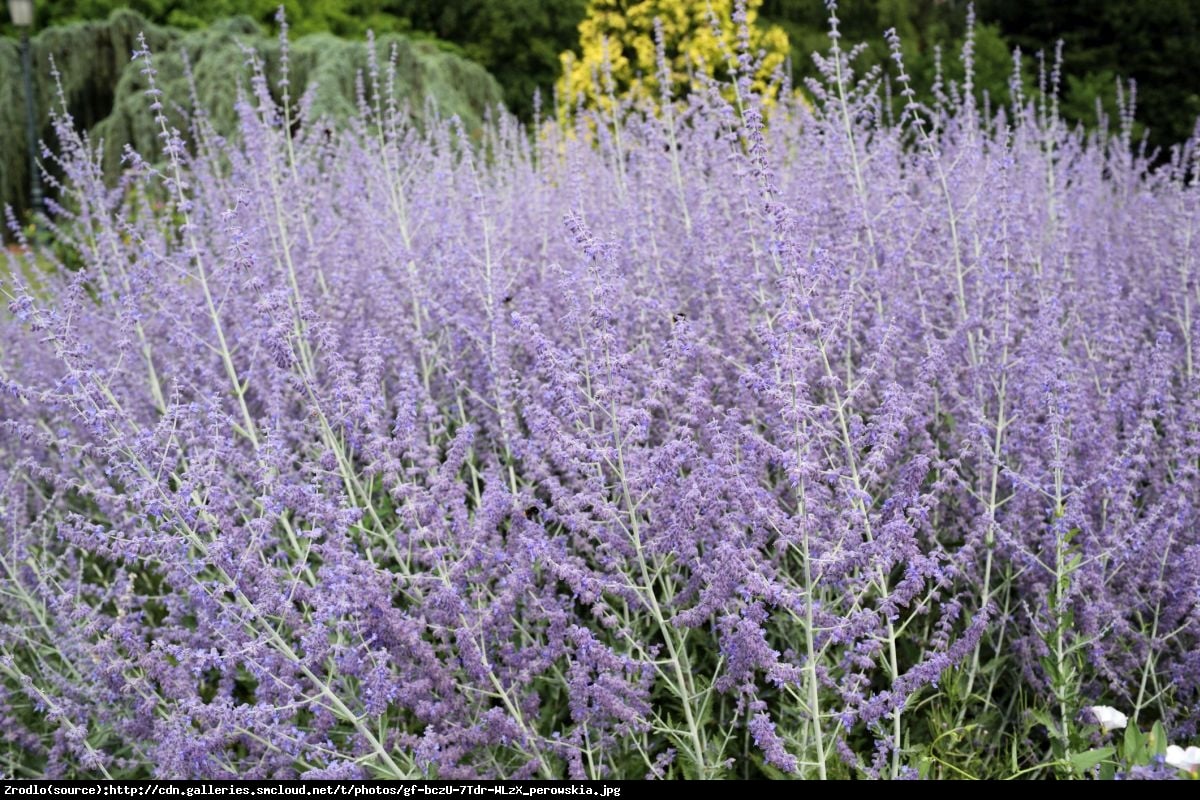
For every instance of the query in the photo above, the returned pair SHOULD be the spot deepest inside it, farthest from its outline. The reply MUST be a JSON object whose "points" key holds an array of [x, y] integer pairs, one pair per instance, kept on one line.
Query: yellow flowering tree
{"points": [[617, 38]]}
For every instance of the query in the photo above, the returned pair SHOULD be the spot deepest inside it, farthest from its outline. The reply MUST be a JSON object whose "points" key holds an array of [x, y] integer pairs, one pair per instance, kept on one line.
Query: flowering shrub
{"points": [[620, 47], [857, 444]]}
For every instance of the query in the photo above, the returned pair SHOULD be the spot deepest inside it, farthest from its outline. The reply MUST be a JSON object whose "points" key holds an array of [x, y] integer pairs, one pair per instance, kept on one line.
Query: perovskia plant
{"points": [[821, 442]]}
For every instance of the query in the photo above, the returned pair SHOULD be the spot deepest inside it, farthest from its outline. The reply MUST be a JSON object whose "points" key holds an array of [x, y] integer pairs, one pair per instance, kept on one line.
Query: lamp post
{"points": [[21, 12]]}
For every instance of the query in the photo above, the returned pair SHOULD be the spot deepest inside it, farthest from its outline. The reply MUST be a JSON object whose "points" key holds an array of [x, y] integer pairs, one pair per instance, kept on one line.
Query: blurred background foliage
{"points": [[104, 91], [521, 44], [1155, 43]]}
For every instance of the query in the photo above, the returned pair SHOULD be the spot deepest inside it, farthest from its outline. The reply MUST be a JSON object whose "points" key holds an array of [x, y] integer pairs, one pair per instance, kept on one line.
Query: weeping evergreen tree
{"points": [[90, 57], [13, 172], [103, 90]]}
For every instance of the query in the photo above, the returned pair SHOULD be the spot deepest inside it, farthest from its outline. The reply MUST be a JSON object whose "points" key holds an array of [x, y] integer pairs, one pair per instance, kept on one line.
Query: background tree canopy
{"points": [[104, 91], [1153, 42], [520, 42]]}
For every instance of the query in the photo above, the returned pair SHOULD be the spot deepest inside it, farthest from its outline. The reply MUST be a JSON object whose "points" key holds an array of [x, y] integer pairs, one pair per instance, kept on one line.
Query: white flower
{"points": [[1179, 758], [1109, 718]]}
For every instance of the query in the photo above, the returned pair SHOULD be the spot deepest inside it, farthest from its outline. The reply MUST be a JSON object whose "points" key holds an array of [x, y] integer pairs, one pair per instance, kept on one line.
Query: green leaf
{"points": [[1135, 745], [1082, 762], [1158, 740], [1043, 717]]}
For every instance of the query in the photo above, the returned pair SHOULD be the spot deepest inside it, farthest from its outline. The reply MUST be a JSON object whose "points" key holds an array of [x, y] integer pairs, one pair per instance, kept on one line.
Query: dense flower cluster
{"points": [[664, 445]]}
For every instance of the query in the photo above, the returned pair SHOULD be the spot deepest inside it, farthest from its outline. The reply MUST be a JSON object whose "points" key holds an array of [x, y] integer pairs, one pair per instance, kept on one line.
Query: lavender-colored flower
{"points": [[718, 443]]}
